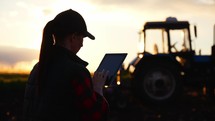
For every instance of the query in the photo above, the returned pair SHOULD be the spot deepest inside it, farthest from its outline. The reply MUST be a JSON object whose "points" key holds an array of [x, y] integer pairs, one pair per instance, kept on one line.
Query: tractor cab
{"points": [[166, 37]]}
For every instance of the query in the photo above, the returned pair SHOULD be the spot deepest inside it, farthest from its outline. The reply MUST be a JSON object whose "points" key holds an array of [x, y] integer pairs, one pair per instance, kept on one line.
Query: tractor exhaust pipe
{"points": [[214, 35], [213, 47]]}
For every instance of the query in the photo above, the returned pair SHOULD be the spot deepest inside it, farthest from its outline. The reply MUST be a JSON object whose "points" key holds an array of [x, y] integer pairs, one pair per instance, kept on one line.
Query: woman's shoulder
{"points": [[69, 66]]}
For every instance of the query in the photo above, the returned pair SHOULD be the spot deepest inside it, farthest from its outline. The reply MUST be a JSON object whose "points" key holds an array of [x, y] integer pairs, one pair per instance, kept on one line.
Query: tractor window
{"points": [[179, 40], [156, 41]]}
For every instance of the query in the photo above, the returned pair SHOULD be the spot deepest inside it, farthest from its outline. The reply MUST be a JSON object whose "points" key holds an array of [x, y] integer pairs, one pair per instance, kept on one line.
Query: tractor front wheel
{"points": [[159, 84]]}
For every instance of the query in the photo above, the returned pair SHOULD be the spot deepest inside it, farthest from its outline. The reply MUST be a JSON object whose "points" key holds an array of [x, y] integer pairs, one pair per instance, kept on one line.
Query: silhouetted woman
{"points": [[60, 88]]}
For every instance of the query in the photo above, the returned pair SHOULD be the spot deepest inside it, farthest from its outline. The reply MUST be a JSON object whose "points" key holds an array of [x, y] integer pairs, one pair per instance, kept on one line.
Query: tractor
{"points": [[168, 62]]}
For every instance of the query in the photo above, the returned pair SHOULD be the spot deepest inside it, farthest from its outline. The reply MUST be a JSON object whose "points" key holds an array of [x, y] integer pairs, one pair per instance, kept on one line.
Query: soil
{"points": [[192, 106]]}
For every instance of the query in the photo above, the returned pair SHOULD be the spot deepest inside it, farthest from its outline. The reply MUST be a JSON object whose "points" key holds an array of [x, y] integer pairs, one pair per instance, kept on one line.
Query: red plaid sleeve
{"points": [[91, 105]]}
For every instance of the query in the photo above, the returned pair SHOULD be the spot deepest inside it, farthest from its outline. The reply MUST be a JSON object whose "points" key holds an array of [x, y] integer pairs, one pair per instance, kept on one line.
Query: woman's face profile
{"points": [[75, 42]]}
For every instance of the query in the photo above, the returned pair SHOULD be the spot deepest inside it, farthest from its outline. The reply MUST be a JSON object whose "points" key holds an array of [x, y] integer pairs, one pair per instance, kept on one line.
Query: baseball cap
{"points": [[71, 21]]}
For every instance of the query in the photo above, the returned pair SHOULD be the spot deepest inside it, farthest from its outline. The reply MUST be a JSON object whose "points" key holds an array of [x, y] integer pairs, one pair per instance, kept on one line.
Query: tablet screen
{"points": [[111, 62]]}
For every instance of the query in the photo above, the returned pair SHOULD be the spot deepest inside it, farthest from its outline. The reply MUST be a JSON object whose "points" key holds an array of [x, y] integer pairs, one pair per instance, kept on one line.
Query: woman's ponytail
{"points": [[47, 41], [45, 54]]}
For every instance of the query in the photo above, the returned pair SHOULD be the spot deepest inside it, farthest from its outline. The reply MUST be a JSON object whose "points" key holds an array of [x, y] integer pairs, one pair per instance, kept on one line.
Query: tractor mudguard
{"points": [[161, 59]]}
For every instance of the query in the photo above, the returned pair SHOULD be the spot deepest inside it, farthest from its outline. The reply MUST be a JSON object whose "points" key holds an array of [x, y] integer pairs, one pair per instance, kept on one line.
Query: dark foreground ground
{"points": [[192, 106]]}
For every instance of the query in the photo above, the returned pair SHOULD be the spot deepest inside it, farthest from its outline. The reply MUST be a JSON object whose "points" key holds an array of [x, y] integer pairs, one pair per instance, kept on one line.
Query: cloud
{"points": [[19, 67], [17, 60], [147, 2], [142, 6], [12, 55], [117, 2], [207, 2], [47, 11]]}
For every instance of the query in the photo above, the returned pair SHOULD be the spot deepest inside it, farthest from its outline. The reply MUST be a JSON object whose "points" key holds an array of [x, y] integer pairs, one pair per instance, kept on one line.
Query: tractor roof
{"points": [[166, 25]]}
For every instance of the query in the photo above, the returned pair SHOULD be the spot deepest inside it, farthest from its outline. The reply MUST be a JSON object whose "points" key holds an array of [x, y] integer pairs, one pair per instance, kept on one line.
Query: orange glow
{"points": [[118, 81], [204, 89], [20, 67]]}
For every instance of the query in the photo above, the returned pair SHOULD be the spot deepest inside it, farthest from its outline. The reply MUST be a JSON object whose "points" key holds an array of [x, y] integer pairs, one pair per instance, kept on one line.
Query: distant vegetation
{"points": [[13, 82], [7, 78]]}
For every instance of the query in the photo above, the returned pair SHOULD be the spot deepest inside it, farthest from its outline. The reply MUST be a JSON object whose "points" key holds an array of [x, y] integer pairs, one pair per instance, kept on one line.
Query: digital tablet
{"points": [[111, 62]]}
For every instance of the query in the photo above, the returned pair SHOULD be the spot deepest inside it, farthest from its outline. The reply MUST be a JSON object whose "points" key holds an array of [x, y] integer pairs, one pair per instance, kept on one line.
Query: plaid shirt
{"points": [[68, 93], [93, 106]]}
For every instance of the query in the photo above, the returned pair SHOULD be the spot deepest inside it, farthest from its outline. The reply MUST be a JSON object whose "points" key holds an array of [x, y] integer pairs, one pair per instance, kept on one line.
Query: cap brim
{"points": [[87, 34]]}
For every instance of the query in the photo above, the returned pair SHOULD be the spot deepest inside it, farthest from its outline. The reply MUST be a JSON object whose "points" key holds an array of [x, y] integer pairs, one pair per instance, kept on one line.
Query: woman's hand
{"points": [[99, 79]]}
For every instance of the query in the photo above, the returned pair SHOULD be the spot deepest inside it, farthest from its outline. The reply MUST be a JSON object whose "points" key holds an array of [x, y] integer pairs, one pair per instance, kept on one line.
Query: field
{"points": [[192, 106], [12, 88]]}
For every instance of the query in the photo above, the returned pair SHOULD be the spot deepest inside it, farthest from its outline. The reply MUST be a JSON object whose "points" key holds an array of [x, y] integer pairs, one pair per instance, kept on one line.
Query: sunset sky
{"points": [[115, 24]]}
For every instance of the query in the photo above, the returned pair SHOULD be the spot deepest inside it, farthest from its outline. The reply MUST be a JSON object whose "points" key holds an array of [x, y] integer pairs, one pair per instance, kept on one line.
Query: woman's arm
{"points": [[92, 106]]}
